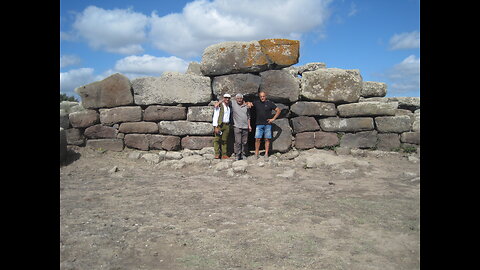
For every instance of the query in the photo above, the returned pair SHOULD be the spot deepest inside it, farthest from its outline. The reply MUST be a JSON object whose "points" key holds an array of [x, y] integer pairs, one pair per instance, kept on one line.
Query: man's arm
{"points": [[278, 111]]}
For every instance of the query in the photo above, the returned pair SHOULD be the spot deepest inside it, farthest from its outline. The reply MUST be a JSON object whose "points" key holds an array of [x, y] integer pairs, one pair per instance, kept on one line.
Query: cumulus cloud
{"points": [[76, 77], [69, 60], [117, 31], [405, 76], [148, 65], [402, 41]]}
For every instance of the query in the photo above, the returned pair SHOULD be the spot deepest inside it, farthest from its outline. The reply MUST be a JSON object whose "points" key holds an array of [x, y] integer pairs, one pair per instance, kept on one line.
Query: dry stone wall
{"points": [[321, 107]]}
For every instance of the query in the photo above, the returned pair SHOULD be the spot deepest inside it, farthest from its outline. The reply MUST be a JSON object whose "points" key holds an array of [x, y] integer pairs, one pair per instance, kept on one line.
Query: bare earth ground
{"points": [[345, 212]]}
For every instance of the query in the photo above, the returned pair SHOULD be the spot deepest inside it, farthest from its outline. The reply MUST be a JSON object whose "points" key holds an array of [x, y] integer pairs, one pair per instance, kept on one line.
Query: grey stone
{"points": [[165, 142], [325, 139], [200, 113], [163, 113], [240, 166], [151, 158], [182, 128], [138, 127], [63, 144], [196, 142], [137, 141], [120, 114], [354, 124], [100, 131], [388, 141], [83, 119], [305, 140], [332, 85], [194, 68], [410, 137], [112, 91], [246, 84], [416, 121], [172, 88], [106, 144], [373, 89], [75, 136], [395, 124], [313, 108], [64, 120], [304, 123], [279, 85], [281, 135], [68, 105], [367, 109], [364, 139]]}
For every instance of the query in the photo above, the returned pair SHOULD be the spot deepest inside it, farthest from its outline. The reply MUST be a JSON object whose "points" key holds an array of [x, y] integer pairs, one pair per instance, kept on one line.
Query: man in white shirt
{"points": [[221, 123]]}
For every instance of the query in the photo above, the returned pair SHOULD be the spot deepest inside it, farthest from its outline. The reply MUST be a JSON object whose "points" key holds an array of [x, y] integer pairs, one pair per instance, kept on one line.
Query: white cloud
{"points": [[203, 23], [405, 76], [69, 60], [405, 41], [147, 65], [75, 78], [117, 31]]}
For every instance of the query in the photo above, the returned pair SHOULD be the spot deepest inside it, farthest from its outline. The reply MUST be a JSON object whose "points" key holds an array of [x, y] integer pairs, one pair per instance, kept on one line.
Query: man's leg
{"points": [[237, 146], [268, 136], [258, 137], [216, 145], [267, 146], [226, 132], [244, 142]]}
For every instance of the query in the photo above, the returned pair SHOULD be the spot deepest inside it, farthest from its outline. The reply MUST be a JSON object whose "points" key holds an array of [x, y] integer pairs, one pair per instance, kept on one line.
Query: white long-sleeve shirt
{"points": [[226, 114]]}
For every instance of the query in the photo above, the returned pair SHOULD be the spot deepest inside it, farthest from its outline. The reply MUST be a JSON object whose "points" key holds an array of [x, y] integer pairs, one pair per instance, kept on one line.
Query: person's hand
{"points": [[249, 129], [216, 130], [217, 104], [270, 120], [249, 104]]}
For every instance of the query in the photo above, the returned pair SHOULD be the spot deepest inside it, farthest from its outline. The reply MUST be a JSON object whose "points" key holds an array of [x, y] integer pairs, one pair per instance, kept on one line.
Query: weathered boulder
{"points": [[63, 144], [75, 136], [162, 113], [416, 121], [337, 124], [172, 88], [196, 142], [410, 137], [364, 139], [120, 114], [318, 139], [106, 144], [313, 108], [244, 57], [332, 85], [83, 119], [304, 140], [279, 85], [112, 91], [246, 84], [373, 89], [407, 103], [298, 70], [137, 141], [367, 109], [388, 141], [152, 141], [304, 123], [182, 128], [281, 135], [64, 120], [395, 124], [100, 131], [138, 127], [200, 113], [194, 68]]}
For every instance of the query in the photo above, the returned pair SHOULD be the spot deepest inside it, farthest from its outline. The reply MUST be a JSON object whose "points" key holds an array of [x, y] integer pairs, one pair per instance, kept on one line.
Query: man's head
{"points": [[262, 95], [239, 99], [226, 98]]}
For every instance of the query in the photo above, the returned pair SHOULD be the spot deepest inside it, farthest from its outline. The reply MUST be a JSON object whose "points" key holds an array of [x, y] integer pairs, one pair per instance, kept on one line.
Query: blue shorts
{"points": [[263, 131]]}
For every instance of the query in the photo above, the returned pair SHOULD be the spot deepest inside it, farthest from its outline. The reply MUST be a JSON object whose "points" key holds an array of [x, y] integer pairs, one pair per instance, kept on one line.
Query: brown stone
{"points": [[305, 140], [159, 113], [196, 142], [138, 127], [112, 91], [100, 131], [83, 119]]}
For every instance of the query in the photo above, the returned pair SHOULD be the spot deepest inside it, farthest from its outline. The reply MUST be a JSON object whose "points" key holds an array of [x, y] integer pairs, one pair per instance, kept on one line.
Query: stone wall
{"points": [[321, 107]]}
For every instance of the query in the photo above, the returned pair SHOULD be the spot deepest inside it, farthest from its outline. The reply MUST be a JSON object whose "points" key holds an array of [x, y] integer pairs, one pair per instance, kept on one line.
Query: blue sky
{"points": [[146, 38]]}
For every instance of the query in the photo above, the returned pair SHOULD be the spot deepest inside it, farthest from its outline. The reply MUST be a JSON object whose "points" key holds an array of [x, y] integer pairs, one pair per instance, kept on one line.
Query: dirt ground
{"points": [[344, 212]]}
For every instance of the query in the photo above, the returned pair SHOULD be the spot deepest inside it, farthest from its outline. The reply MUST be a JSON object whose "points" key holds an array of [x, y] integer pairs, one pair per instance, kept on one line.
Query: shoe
{"points": [[238, 157], [265, 158], [217, 156], [243, 156], [225, 157]]}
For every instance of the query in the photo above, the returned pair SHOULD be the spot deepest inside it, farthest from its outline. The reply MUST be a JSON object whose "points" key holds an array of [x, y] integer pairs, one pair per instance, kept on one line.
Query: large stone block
{"points": [[120, 114], [393, 124], [313, 108], [196, 142], [331, 85], [318, 139], [164, 142], [182, 128], [304, 123], [75, 136], [337, 124], [138, 127], [100, 131], [367, 109], [249, 57], [410, 137], [246, 84], [137, 141], [279, 85], [163, 113], [364, 139], [200, 113], [172, 88], [305, 140], [63, 144], [83, 119], [106, 144], [388, 141], [373, 89], [112, 91], [281, 135]]}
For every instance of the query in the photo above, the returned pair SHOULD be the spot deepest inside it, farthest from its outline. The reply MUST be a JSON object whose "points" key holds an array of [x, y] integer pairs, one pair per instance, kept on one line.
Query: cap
{"points": [[227, 95]]}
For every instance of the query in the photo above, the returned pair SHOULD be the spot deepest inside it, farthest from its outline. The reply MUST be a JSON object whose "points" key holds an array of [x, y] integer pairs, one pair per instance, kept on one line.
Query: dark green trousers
{"points": [[220, 141]]}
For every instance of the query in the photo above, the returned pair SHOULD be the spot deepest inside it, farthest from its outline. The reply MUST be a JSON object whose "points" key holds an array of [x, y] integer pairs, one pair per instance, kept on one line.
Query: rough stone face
{"points": [[395, 124], [281, 135], [388, 141], [367, 109], [325, 139], [137, 141], [138, 127], [332, 85], [313, 108], [64, 121], [172, 88], [410, 137], [244, 57], [112, 91], [107, 144], [279, 85], [182, 128], [200, 113], [169, 143], [83, 119], [304, 123], [355, 124], [161, 113], [305, 140], [75, 136], [120, 114], [194, 68], [100, 131], [416, 121], [63, 144], [246, 84], [364, 139], [373, 89], [196, 142]]}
